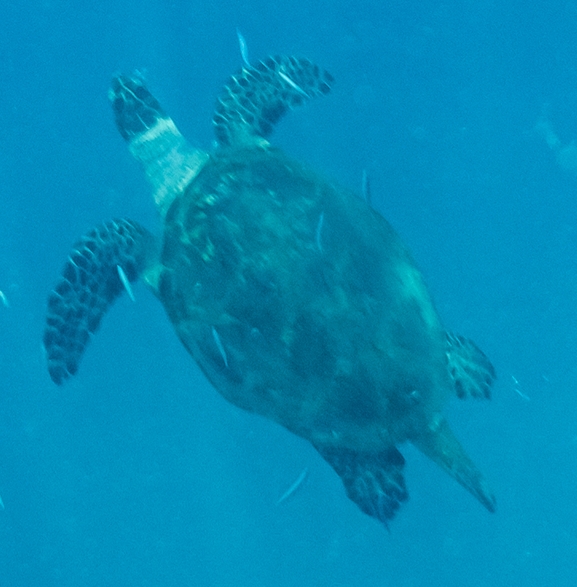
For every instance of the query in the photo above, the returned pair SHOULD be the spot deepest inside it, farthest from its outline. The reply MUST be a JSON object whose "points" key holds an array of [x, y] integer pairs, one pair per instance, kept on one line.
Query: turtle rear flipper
{"points": [[374, 481], [254, 100], [471, 371], [92, 279]]}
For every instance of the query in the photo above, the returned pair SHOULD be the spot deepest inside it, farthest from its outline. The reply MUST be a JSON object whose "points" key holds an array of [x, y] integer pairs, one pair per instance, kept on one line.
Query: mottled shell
{"points": [[300, 303]]}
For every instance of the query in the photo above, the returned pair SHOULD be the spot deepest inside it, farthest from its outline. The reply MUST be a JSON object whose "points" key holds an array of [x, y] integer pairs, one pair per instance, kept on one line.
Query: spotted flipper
{"points": [[471, 371], [257, 97], [374, 481], [90, 282], [169, 162]]}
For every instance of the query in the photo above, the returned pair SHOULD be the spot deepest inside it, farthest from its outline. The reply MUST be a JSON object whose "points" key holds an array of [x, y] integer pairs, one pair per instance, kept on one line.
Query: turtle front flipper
{"points": [[169, 162], [254, 100], [92, 279], [373, 480]]}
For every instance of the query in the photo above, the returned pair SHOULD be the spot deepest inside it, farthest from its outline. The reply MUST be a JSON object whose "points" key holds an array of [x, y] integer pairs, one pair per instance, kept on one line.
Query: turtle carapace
{"points": [[297, 300]]}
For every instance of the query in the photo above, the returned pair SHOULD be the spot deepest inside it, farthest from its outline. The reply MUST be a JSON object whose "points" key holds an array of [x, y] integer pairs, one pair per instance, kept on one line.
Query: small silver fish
{"points": [[366, 188], [319, 230], [292, 489], [219, 346], [292, 84], [243, 48], [125, 282]]}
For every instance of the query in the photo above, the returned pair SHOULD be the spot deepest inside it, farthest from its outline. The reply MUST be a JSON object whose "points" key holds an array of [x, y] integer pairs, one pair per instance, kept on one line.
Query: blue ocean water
{"points": [[464, 115]]}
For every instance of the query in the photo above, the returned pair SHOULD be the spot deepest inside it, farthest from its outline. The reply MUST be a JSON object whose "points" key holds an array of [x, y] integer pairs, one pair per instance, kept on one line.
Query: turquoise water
{"points": [[136, 472]]}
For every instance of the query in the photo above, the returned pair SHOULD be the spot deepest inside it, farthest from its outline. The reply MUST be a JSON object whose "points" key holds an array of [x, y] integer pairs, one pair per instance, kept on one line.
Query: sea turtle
{"points": [[297, 300]]}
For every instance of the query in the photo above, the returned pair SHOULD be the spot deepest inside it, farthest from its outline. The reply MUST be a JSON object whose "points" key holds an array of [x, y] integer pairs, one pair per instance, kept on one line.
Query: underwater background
{"points": [[136, 472]]}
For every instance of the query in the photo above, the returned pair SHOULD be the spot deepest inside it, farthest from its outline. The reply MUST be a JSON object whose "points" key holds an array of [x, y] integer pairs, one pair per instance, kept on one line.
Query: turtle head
{"points": [[169, 161]]}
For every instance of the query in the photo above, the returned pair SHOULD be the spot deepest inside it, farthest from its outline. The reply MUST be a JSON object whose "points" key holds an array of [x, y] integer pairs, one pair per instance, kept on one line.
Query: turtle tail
{"points": [[101, 265], [255, 99]]}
